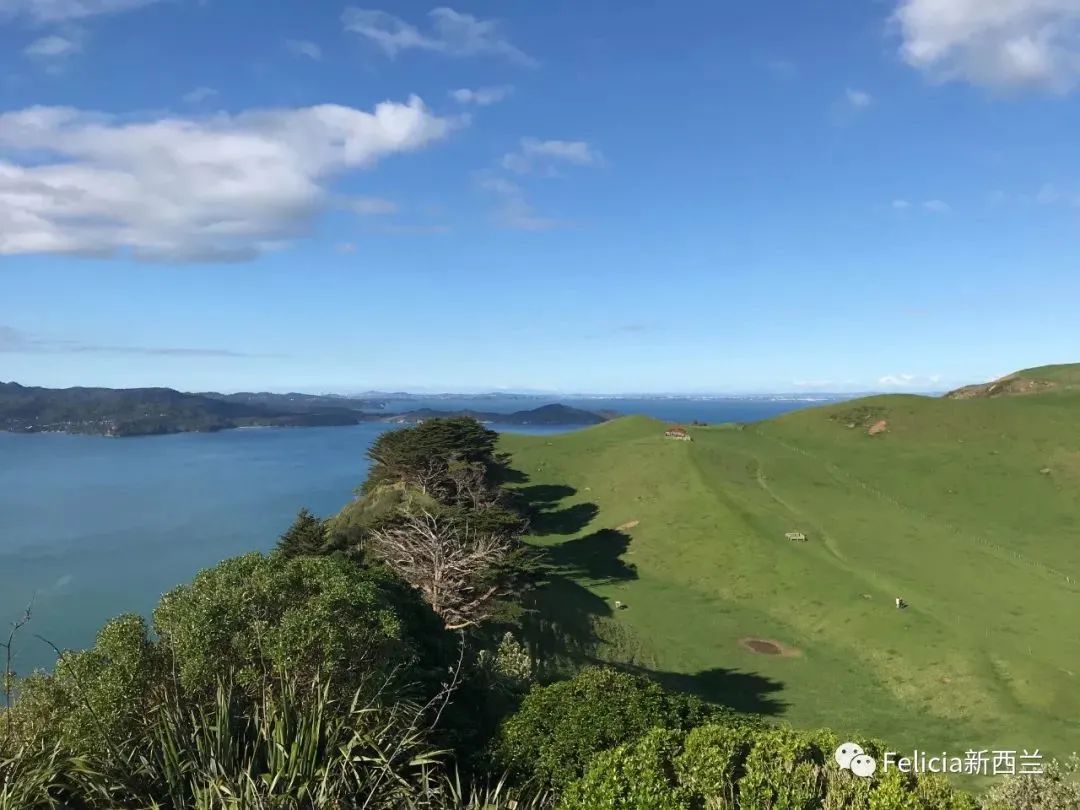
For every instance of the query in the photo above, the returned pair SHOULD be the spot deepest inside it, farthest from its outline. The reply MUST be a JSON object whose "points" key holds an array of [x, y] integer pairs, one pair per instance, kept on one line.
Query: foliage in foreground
{"points": [[1056, 789], [722, 766], [560, 727]]}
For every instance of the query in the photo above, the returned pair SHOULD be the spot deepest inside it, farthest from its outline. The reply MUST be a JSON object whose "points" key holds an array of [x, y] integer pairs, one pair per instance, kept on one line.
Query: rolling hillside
{"points": [[968, 509]]}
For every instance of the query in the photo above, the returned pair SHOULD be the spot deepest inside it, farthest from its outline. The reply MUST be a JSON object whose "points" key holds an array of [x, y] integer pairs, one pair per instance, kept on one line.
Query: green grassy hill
{"points": [[969, 509]]}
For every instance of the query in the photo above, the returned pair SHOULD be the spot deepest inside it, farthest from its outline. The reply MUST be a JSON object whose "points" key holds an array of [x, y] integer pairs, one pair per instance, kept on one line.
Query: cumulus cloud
{"points": [[16, 341], [937, 206], [534, 153], [1005, 44], [449, 32], [225, 187], [481, 97], [59, 10], [302, 47]]}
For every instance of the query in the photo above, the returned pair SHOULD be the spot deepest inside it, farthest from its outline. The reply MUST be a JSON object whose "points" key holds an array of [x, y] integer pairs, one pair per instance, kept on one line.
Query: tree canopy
{"points": [[422, 456]]}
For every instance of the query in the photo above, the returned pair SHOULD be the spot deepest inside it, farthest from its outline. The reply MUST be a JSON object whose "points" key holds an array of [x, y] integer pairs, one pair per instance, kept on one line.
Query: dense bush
{"points": [[95, 698], [1057, 788], [740, 766], [637, 775], [560, 727], [306, 616]]}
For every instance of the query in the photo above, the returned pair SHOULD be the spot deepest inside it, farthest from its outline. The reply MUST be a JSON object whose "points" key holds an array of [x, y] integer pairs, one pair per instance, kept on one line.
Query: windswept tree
{"points": [[465, 572], [445, 458]]}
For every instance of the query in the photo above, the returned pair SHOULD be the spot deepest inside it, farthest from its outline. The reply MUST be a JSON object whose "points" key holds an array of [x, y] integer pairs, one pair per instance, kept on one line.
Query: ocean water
{"points": [[92, 527]]}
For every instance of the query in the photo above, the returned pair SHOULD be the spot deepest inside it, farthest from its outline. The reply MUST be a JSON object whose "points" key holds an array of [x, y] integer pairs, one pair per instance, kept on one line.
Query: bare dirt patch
{"points": [[628, 525], [765, 646]]}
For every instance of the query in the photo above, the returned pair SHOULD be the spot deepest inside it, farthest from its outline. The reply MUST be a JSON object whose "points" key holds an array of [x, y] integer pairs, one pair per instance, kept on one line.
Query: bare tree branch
{"points": [[450, 564]]}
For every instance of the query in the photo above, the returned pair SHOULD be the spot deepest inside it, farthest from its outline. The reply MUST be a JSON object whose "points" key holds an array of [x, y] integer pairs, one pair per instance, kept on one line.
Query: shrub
{"points": [[741, 766], [95, 698], [712, 762], [558, 728], [308, 616], [638, 776], [1056, 789]]}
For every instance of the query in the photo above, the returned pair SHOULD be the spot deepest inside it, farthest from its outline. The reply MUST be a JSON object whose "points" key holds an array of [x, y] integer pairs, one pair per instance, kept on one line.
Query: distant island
{"points": [[156, 411]]}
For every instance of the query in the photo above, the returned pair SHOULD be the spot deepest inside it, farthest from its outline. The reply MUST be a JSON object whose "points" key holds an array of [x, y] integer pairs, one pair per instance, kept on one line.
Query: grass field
{"points": [[968, 509]]}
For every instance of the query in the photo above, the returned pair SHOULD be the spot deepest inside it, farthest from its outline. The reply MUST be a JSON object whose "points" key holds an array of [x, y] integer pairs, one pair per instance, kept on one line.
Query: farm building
{"points": [[677, 432]]}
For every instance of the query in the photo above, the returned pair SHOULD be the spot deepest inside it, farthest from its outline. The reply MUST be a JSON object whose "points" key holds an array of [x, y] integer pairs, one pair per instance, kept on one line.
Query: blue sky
{"points": [[565, 195]]}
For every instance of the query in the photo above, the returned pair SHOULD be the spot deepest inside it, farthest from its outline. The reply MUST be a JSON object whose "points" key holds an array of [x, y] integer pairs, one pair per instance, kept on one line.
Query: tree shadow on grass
{"points": [[564, 620], [541, 503], [596, 557], [747, 692]]}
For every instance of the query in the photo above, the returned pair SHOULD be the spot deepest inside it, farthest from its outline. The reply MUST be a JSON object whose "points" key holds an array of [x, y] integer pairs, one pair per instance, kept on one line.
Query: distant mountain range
{"points": [[151, 411]]}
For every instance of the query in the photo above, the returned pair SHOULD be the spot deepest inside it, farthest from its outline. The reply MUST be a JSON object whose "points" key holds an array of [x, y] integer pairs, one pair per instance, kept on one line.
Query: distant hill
{"points": [[301, 403], [1029, 381], [545, 415], [151, 411]]}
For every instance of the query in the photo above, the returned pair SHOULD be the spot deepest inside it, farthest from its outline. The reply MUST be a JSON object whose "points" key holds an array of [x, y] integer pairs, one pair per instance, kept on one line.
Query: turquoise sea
{"points": [[92, 527]]}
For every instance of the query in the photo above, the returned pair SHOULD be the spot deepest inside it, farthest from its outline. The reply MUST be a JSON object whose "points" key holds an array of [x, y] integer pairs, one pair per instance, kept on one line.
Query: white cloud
{"points": [[199, 95], [993, 43], [897, 380], [59, 10], [53, 47], [929, 206], [514, 210], [450, 32], [909, 381], [1048, 194], [481, 97], [858, 99], [372, 206], [534, 156], [303, 47], [534, 153], [187, 189]]}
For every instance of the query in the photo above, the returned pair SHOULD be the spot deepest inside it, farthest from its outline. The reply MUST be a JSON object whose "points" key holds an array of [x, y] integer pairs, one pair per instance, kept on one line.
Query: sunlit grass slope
{"points": [[967, 509]]}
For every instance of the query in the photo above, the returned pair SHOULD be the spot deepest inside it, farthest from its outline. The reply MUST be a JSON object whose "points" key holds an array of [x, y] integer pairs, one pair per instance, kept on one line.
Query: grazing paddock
{"points": [[951, 511]]}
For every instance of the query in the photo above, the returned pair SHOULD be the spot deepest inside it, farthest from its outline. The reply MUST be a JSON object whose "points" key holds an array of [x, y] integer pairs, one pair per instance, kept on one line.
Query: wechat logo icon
{"points": [[851, 757]]}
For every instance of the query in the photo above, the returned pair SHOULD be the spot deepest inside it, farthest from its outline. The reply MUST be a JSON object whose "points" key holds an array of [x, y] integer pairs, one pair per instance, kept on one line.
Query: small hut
{"points": [[677, 432], [796, 536]]}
